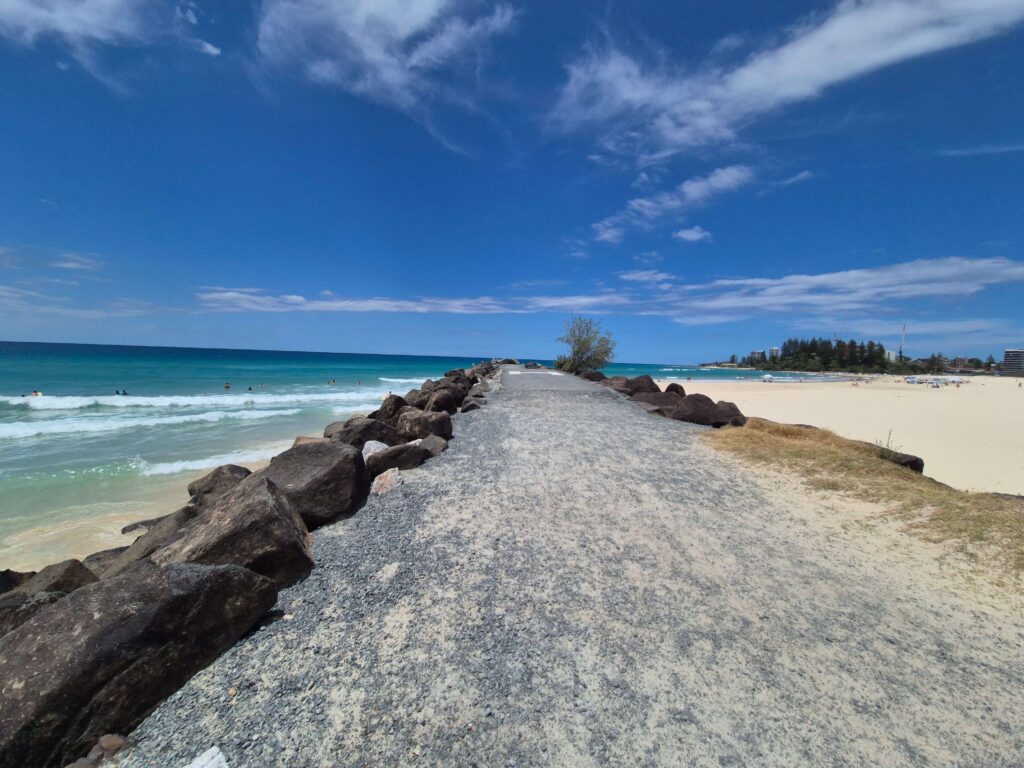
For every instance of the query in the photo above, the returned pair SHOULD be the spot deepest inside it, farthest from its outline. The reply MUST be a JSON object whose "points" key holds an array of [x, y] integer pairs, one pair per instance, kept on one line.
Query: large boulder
{"points": [[455, 372], [444, 399], [640, 384], [676, 388], [661, 403], [101, 659], [18, 607], [65, 576], [701, 409], [323, 481], [215, 484], [436, 445], [414, 424], [731, 412], [358, 429], [11, 579], [472, 404], [98, 562], [617, 383], [405, 456], [416, 398], [255, 526], [389, 408], [593, 376], [160, 532], [479, 390], [908, 460]]}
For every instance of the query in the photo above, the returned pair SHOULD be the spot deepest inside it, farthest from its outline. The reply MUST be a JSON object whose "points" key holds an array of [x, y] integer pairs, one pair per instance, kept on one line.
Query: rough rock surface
{"points": [[676, 388], [406, 456], [415, 424], [160, 532], [323, 481], [443, 400], [18, 607], [371, 447], [100, 659], [359, 429], [98, 562], [65, 576], [10, 579], [472, 404], [389, 409], [593, 376], [572, 583], [253, 525], [436, 445], [663, 403], [385, 482], [215, 484], [639, 384]]}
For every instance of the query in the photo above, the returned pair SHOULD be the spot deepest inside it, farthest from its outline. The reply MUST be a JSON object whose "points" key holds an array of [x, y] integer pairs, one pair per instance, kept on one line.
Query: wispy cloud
{"points": [[652, 111], [984, 149], [77, 262], [644, 212], [693, 235], [799, 178], [402, 54], [228, 300], [19, 301], [84, 27], [860, 295]]}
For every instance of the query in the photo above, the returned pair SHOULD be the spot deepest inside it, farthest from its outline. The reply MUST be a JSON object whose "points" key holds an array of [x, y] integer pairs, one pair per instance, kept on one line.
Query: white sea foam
{"points": [[72, 403], [242, 457], [402, 381], [78, 425]]}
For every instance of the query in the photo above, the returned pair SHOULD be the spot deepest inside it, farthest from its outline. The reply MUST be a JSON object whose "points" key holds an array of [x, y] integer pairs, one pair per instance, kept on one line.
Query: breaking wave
{"points": [[20, 429]]}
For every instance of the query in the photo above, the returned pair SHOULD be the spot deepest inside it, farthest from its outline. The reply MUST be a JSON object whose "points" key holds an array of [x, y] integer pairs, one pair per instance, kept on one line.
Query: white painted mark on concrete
{"points": [[514, 373]]}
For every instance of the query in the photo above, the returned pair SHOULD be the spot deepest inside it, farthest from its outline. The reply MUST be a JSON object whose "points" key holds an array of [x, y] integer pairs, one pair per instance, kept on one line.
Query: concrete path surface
{"points": [[576, 583]]}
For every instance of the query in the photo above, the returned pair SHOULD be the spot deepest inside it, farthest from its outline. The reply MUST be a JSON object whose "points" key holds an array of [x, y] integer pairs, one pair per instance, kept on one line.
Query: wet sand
{"points": [[971, 437], [92, 528]]}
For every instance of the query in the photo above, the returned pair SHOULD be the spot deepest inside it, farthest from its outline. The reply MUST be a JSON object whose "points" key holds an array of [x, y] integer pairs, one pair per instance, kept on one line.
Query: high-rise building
{"points": [[775, 353], [1013, 362]]}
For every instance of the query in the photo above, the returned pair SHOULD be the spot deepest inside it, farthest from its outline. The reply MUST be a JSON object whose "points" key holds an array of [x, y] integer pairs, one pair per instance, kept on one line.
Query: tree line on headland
{"points": [[822, 355]]}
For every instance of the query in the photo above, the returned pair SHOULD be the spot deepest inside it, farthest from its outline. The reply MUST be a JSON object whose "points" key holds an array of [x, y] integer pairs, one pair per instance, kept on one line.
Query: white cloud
{"points": [[78, 262], [393, 51], [797, 179], [250, 300], [656, 111], [643, 212], [693, 235], [76, 22], [984, 149], [646, 276], [207, 48]]}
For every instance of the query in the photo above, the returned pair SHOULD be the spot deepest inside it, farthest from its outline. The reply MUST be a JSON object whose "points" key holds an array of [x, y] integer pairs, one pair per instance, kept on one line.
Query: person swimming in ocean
{"points": [[227, 385]]}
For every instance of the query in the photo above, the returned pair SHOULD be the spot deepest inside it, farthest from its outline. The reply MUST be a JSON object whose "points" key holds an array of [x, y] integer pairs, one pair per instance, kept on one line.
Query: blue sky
{"points": [[456, 177]]}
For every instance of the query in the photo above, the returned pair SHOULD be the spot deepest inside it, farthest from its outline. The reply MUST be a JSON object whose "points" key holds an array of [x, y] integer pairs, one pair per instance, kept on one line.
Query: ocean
{"points": [[79, 452]]}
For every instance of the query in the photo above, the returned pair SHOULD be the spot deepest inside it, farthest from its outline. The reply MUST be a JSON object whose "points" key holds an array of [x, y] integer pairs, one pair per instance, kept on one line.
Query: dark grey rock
{"points": [[405, 456], [215, 484], [323, 481], [98, 562], [415, 424], [99, 660], [253, 525], [357, 430], [65, 576]]}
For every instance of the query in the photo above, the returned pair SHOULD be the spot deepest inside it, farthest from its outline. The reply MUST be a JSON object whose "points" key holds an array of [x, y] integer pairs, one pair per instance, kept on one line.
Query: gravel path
{"points": [[575, 582]]}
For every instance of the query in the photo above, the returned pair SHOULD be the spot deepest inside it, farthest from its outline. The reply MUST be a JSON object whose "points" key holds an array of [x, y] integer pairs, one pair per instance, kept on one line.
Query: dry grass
{"points": [[979, 522]]}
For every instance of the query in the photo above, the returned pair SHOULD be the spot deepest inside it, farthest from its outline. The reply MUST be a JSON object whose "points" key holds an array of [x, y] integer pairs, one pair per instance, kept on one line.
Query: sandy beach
{"points": [[971, 437]]}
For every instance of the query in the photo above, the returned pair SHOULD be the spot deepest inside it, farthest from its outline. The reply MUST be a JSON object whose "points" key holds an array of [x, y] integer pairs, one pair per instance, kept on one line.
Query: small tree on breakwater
{"points": [[589, 347]]}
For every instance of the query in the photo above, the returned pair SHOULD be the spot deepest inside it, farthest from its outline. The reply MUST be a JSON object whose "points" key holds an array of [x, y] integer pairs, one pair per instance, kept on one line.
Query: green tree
{"points": [[589, 348]]}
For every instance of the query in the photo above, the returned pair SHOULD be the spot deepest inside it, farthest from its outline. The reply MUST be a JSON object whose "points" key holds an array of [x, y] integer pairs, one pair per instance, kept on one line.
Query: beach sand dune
{"points": [[971, 437]]}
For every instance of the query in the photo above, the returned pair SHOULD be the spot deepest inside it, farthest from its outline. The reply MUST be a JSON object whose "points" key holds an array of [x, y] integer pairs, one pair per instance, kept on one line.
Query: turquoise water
{"points": [[79, 451]]}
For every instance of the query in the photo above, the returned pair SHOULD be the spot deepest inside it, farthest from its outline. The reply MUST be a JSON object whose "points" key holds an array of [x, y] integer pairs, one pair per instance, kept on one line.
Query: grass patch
{"points": [[933, 510]]}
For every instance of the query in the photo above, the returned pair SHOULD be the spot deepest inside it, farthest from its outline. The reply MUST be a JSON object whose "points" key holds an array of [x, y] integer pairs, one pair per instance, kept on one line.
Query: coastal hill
{"points": [[576, 582]]}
